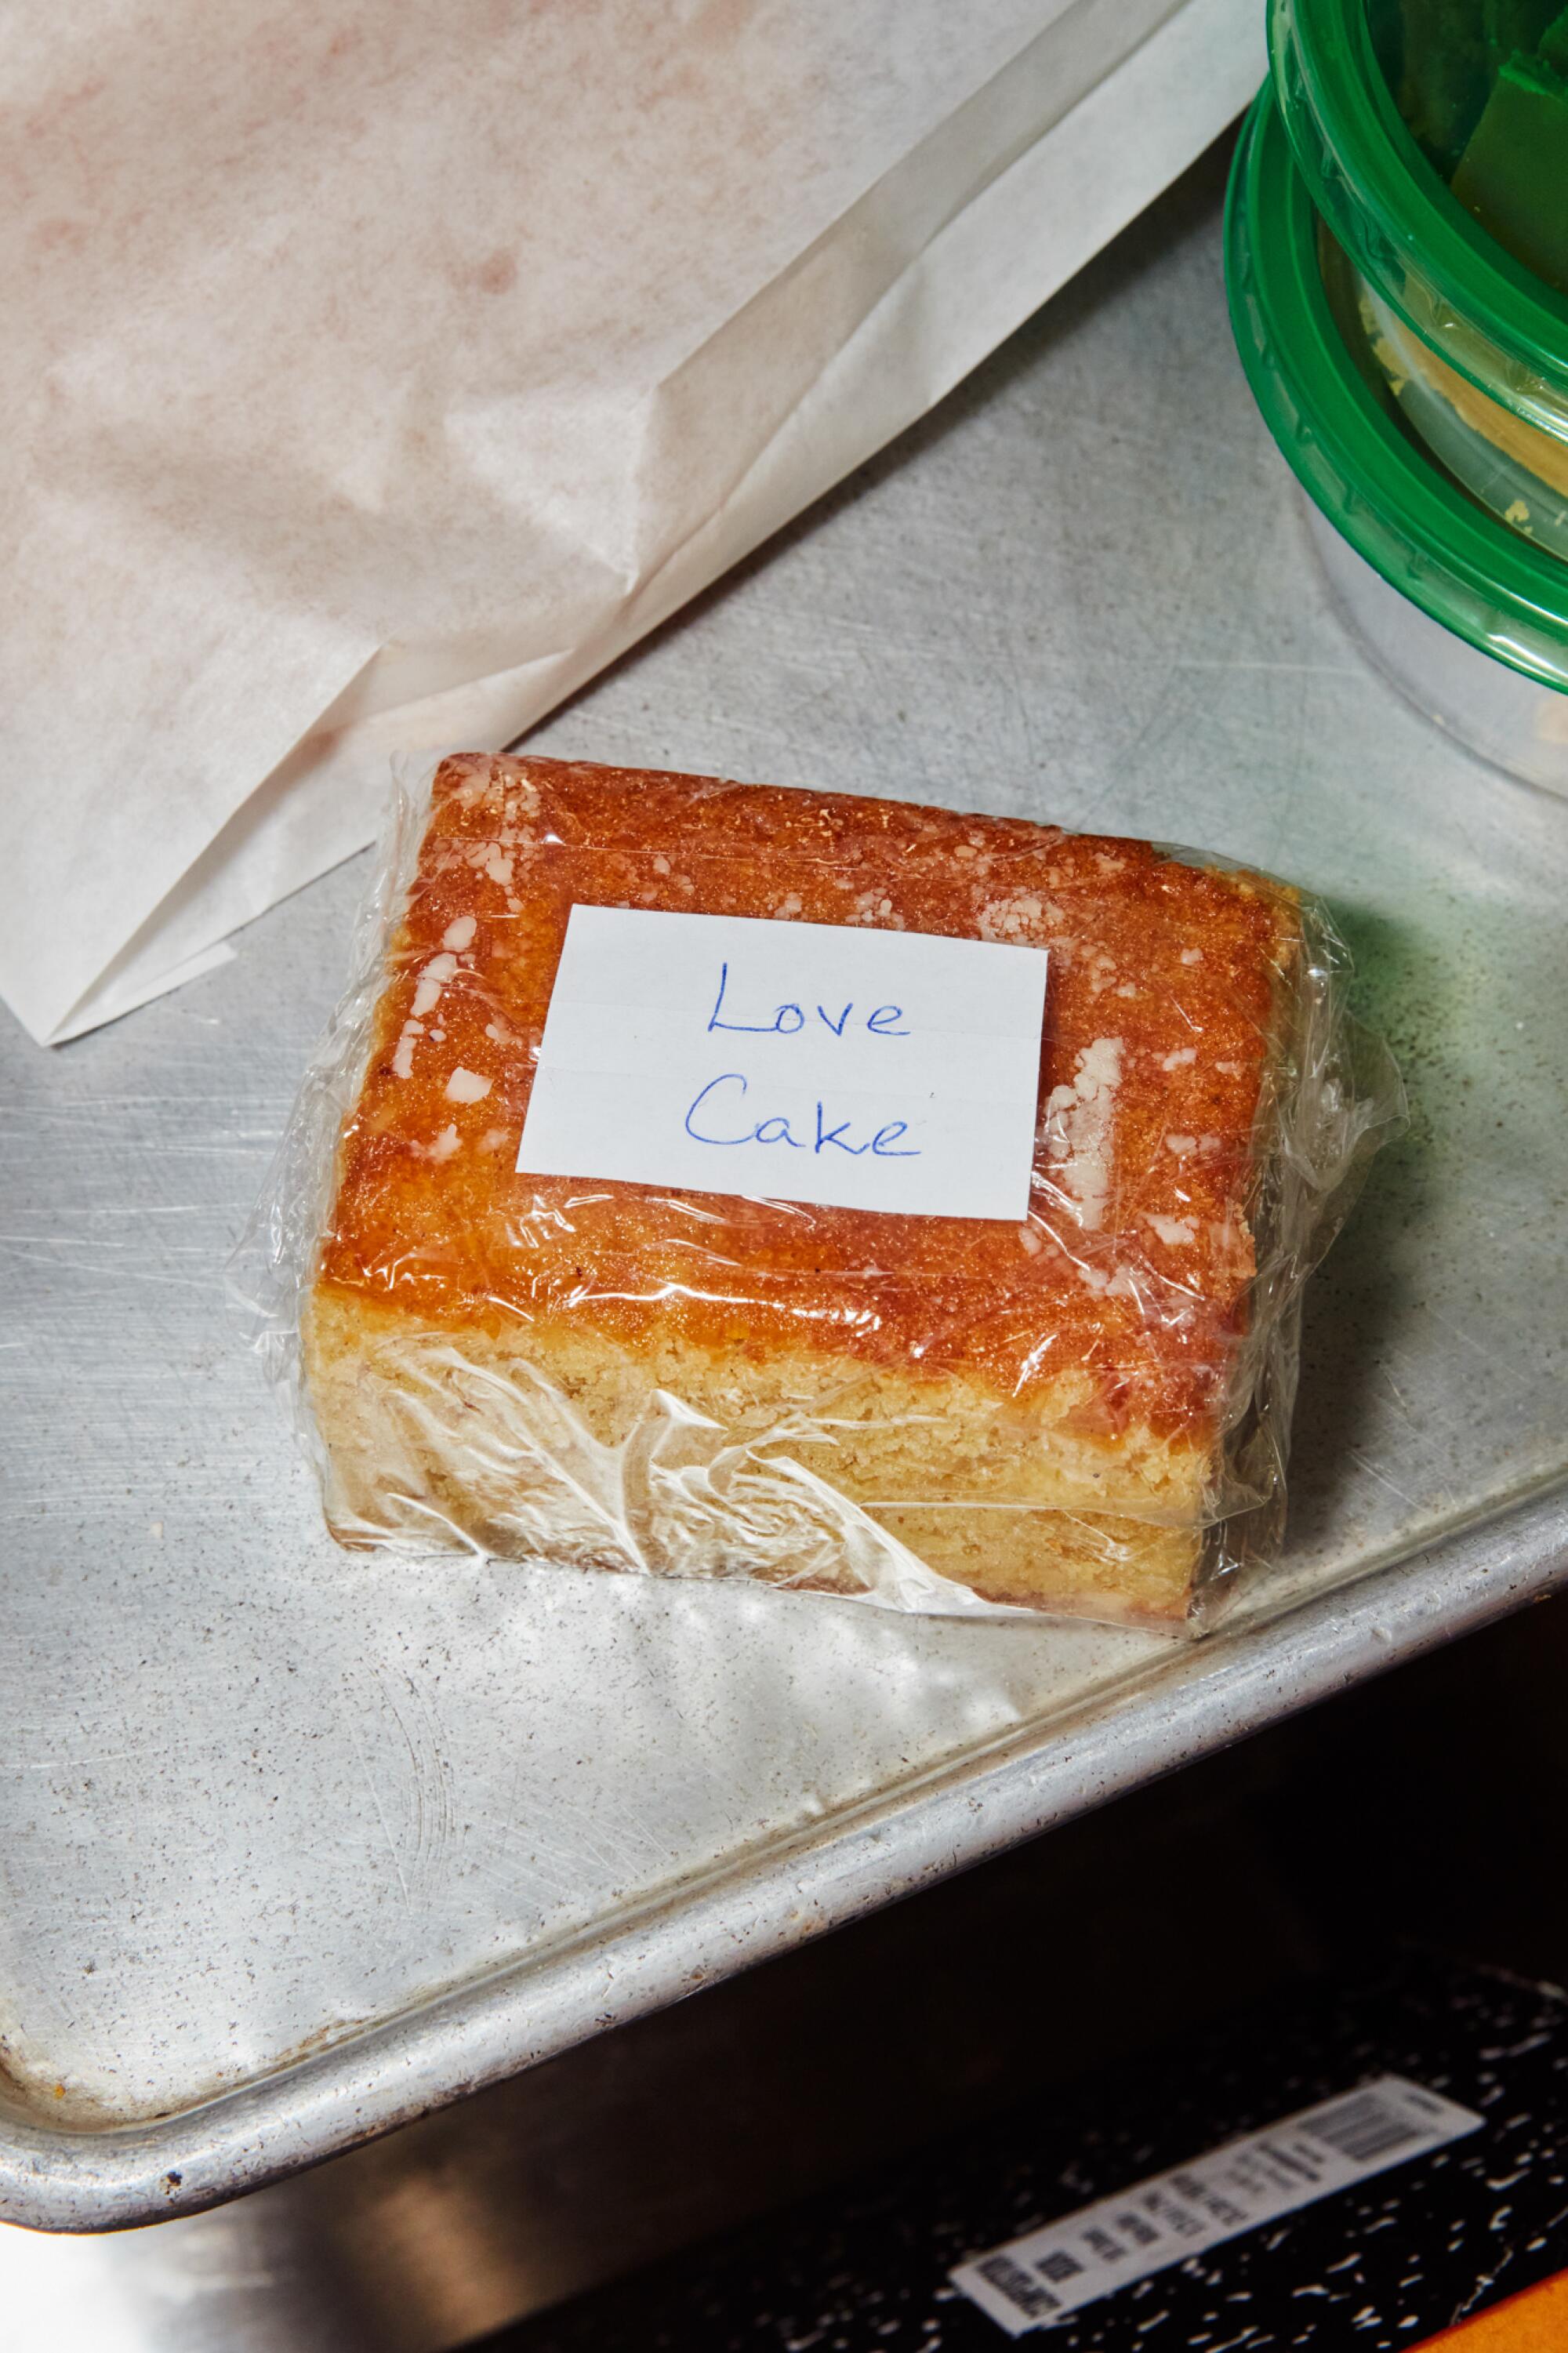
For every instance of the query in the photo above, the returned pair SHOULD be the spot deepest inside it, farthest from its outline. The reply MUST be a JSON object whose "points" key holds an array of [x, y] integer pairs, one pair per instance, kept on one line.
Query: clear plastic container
{"points": [[1513, 468], [1423, 573], [1485, 312], [1510, 719]]}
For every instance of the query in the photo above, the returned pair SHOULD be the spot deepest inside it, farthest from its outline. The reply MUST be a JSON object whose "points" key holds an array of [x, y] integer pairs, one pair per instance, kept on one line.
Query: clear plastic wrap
{"points": [[1086, 1412]]}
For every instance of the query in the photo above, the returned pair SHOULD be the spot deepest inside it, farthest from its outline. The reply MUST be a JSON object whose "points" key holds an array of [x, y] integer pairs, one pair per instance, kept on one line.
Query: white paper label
{"points": [[798, 1062], [1035, 2280]]}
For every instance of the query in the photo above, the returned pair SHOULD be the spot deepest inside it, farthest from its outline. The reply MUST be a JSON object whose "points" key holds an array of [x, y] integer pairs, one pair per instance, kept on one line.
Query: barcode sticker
{"points": [[1035, 2280]]}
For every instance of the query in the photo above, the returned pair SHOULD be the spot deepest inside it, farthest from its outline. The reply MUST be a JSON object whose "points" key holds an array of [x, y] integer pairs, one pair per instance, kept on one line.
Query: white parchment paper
{"points": [[371, 378]]}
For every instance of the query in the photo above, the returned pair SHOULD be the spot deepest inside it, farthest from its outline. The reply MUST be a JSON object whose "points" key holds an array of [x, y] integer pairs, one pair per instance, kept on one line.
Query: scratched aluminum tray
{"points": [[293, 1845]]}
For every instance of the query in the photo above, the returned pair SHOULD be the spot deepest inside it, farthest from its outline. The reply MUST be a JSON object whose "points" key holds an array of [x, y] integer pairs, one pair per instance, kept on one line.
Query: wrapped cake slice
{"points": [[959, 1269]]}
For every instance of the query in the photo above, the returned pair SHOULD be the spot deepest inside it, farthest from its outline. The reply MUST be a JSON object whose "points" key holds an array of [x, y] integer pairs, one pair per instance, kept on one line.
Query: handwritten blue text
{"points": [[883, 1145], [790, 1019]]}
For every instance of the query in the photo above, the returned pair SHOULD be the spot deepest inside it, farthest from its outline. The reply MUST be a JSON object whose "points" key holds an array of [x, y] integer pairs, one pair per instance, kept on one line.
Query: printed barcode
{"points": [[1365, 2126], [1136, 2232], [1020, 2286]]}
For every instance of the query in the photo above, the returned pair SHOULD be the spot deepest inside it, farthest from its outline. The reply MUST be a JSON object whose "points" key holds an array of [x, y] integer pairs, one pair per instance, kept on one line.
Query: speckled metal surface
{"points": [[1387, 2263], [295, 1846]]}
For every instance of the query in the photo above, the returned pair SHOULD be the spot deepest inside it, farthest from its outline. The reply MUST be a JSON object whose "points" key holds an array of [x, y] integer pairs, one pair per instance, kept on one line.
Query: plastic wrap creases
{"points": [[1086, 1409]]}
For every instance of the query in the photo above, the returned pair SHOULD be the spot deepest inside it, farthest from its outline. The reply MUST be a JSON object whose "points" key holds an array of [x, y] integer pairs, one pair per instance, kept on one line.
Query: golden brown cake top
{"points": [[1163, 1013]]}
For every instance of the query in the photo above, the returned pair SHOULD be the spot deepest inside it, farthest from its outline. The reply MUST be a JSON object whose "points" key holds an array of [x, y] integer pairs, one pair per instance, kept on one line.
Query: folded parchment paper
{"points": [[373, 377]]}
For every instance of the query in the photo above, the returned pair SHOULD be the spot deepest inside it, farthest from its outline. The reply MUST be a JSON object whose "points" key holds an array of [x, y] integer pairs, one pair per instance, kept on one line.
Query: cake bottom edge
{"points": [[433, 1441]]}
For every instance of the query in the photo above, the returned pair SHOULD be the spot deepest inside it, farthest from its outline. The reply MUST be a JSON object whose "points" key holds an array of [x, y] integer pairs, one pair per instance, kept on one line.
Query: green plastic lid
{"points": [[1480, 307], [1480, 83], [1327, 406]]}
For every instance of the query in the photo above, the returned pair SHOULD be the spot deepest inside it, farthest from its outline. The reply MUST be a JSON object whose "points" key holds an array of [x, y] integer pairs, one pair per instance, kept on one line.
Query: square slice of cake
{"points": [[1057, 1412]]}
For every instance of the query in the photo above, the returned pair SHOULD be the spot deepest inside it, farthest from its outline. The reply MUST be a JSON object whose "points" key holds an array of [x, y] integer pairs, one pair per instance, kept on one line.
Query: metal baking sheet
{"points": [[294, 1846]]}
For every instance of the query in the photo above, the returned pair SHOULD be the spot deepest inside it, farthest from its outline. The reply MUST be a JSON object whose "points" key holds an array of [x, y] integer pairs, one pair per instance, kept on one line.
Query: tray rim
{"points": [[955, 1813]]}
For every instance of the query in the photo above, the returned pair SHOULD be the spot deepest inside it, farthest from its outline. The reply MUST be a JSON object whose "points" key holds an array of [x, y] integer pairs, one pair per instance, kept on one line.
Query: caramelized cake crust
{"points": [[471, 1327]]}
